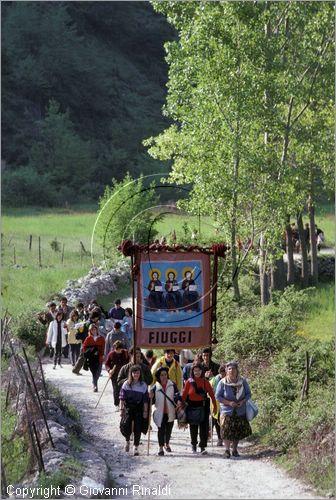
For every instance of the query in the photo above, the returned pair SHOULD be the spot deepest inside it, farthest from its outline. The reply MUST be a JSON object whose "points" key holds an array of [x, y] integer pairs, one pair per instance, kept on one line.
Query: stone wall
{"points": [[326, 267], [99, 281]]}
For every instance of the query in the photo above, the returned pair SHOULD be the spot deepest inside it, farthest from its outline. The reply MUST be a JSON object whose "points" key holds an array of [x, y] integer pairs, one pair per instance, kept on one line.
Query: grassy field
{"points": [[320, 321], [26, 284]]}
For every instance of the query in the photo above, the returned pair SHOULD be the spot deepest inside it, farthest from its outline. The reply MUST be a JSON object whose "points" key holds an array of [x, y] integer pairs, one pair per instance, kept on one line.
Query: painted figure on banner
{"points": [[190, 299], [173, 300], [173, 295], [155, 300]]}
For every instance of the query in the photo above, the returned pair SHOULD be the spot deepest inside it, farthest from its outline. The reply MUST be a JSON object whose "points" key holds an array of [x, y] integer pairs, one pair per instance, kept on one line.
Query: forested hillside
{"points": [[83, 83]]}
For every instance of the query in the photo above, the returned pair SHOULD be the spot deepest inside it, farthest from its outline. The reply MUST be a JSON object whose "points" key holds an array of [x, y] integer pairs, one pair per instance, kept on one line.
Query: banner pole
{"points": [[149, 425], [133, 303]]}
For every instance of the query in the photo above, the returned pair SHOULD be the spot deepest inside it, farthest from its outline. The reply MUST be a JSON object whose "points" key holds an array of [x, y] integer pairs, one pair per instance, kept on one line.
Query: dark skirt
{"points": [[234, 428]]}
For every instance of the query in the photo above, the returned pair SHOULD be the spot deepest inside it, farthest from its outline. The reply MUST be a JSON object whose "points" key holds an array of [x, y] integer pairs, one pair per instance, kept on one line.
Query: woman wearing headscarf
{"points": [[93, 349], [57, 337], [133, 407], [195, 393], [165, 396], [232, 392]]}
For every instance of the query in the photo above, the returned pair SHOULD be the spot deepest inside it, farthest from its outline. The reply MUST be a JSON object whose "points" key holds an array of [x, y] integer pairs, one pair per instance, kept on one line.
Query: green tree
{"points": [[102, 62], [126, 212], [59, 150], [242, 76]]}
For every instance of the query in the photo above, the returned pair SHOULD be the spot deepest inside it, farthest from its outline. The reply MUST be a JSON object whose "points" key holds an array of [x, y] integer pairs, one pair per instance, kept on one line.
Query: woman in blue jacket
{"points": [[232, 392]]}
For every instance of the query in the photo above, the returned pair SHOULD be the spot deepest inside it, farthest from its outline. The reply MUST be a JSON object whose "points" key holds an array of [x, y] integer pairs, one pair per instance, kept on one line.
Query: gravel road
{"points": [[185, 475]]}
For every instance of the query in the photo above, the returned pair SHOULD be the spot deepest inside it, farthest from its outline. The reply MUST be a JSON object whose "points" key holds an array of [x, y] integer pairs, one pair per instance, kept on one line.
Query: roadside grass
{"points": [[319, 473], [14, 453], [319, 322]]}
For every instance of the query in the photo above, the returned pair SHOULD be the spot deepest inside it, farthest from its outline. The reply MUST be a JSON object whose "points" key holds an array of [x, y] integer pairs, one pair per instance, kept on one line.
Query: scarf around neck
{"points": [[238, 386]]}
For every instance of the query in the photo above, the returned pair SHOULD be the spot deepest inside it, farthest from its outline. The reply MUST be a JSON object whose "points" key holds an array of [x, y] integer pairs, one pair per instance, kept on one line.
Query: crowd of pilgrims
{"points": [[213, 394]]}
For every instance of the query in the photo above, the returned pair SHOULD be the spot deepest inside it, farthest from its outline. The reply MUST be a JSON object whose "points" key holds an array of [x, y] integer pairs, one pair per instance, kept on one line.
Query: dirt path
{"points": [[247, 477]]}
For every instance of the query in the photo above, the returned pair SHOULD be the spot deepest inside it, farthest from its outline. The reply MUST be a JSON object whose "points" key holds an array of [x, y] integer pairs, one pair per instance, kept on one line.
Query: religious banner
{"points": [[173, 300]]}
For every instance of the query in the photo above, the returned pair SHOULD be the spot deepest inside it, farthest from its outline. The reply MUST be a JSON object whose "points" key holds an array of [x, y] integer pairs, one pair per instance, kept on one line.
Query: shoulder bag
{"points": [[180, 412], [251, 410]]}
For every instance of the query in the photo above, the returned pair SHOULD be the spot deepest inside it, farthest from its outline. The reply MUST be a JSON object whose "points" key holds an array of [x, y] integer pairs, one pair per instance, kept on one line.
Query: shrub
{"points": [[28, 329], [285, 417], [263, 330]]}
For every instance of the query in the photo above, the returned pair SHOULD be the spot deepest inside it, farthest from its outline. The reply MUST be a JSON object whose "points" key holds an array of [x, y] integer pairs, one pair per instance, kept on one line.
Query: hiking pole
{"points": [[108, 379], [149, 424]]}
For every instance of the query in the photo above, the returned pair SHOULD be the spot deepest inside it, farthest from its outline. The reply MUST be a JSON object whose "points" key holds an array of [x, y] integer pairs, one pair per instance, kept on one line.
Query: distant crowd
{"points": [[208, 395], [319, 237]]}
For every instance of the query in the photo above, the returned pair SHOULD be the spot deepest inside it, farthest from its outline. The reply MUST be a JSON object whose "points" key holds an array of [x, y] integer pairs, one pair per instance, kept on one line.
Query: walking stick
{"points": [[210, 423], [149, 424], [102, 392], [211, 428], [108, 379]]}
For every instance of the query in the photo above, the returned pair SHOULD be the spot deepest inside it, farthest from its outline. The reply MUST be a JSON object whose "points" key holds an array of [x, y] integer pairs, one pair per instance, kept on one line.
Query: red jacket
{"points": [[99, 343], [201, 383]]}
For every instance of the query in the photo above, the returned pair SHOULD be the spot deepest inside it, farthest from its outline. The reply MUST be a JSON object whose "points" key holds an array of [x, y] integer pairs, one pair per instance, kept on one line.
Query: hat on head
{"points": [[160, 370]]}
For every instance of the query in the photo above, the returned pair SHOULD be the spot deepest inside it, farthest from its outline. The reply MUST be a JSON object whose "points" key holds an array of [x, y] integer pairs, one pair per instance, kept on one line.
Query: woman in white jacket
{"points": [[165, 396], [57, 337]]}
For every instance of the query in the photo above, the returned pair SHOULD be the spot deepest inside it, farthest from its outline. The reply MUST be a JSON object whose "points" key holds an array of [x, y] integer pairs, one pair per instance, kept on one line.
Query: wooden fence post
{"points": [[39, 251], [62, 258], [30, 242], [14, 256], [308, 364]]}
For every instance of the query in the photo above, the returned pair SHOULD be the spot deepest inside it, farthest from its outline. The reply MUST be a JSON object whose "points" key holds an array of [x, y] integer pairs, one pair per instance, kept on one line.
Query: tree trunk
{"points": [[313, 251], [235, 270], [234, 264], [264, 285], [304, 253], [290, 254], [277, 274]]}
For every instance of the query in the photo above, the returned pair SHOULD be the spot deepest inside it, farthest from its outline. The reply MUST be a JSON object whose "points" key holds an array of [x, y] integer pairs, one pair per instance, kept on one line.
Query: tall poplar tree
{"points": [[242, 78]]}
